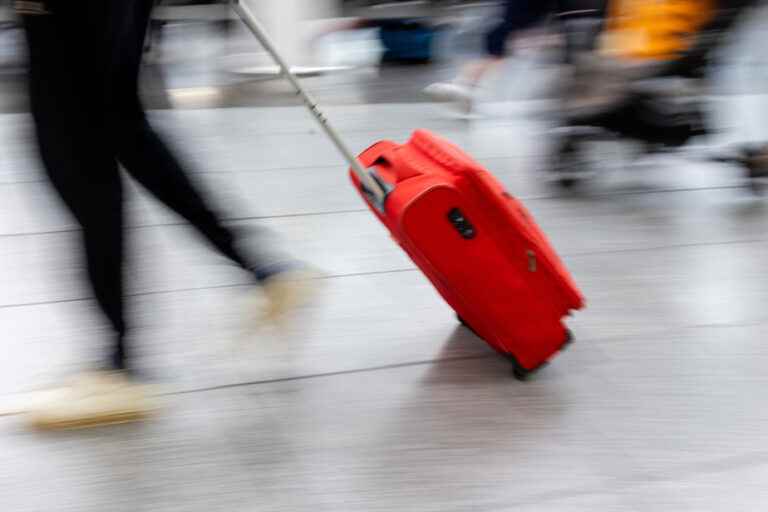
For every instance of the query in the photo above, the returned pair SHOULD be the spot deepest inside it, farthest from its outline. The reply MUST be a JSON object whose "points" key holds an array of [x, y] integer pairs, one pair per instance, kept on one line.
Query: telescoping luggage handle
{"points": [[373, 186]]}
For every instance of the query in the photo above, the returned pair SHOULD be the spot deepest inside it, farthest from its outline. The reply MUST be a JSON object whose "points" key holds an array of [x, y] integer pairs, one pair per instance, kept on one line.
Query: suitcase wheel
{"points": [[569, 167], [568, 183], [520, 373], [755, 162], [757, 186], [568, 339]]}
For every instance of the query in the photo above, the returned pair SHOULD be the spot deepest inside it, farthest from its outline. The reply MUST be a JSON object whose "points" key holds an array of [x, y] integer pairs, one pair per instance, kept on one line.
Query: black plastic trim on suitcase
{"points": [[462, 225]]}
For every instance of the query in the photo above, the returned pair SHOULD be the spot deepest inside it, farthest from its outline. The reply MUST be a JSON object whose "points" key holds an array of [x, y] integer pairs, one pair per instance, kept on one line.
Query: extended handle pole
{"points": [[374, 187]]}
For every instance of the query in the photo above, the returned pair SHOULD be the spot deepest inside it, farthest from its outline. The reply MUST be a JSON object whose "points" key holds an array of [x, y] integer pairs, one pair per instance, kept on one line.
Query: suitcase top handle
{"points": [[391, 159]]}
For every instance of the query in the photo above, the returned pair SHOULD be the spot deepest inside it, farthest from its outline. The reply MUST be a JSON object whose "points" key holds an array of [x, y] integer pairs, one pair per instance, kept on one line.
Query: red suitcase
{"points": [[477, 244]]}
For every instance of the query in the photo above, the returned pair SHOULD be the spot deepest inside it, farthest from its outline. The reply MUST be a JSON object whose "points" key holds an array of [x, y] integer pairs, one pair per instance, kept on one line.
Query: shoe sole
{"points": [[92, 422]]}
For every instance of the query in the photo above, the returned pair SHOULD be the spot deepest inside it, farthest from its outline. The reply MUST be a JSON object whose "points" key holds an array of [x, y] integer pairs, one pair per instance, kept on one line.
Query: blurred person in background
{"points": [[85, 57], [648, 82], [517, 15]]}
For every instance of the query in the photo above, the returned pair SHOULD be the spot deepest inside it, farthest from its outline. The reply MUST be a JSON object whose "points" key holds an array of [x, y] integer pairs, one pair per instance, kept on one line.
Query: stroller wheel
{"points": [[756, 163], [569, 166], [569, 183], [569, 174], [758, 186]]}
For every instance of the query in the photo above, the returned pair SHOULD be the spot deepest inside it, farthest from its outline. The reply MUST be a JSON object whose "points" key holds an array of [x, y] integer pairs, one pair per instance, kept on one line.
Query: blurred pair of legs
{"points": [[517, 15], [85, 58]]}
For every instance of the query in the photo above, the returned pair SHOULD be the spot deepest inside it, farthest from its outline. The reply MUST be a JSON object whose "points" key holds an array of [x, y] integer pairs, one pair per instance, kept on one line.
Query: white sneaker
{"points": [[90, 400], [286, 291], [462, 96]]}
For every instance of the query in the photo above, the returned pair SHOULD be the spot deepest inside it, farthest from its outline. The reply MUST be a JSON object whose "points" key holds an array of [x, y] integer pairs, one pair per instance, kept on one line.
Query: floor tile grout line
{"points": [[353, 371], [264, 170], [23, 182], [361, 210], [130, 295], [384, 272], [341, 164], [641, 477], [392, 366], [450, 127], [201, 288], [46, 233], [370, 273], [297, 378], [43, 179], [671, 247], [185, 223]]}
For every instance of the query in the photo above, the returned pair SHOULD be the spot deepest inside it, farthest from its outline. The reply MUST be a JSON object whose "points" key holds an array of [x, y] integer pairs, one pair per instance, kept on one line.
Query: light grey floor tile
{"points": [[737, 483], [686, 401]]}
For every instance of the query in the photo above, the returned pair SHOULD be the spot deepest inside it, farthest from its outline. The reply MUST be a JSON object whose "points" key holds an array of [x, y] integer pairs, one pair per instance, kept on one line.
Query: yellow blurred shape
{"points": [[654, 29]]}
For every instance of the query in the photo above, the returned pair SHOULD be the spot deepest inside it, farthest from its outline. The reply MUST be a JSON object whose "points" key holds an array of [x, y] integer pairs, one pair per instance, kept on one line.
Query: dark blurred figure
{"points": [[85, 57], [517, 15]]}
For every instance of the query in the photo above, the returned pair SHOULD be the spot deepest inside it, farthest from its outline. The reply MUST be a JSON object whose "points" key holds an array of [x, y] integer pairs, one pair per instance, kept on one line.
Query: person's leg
{"points": [[146, 158], [144, 154], [517, 15], [79, 166], [66, 91]]}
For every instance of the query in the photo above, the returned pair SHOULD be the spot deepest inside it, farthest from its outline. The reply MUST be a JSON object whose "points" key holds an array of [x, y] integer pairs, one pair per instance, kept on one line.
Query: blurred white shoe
{"points": [[287, 291], [461, 96], [90, 400]]}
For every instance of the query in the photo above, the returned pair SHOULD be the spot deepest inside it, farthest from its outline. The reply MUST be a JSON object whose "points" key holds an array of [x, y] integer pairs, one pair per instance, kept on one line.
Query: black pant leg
{"points": [[66, 108], [142, 151]]}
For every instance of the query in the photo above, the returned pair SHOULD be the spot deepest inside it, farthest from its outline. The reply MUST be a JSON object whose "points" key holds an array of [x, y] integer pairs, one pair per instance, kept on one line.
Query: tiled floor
{"points": [[377, 399]]}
